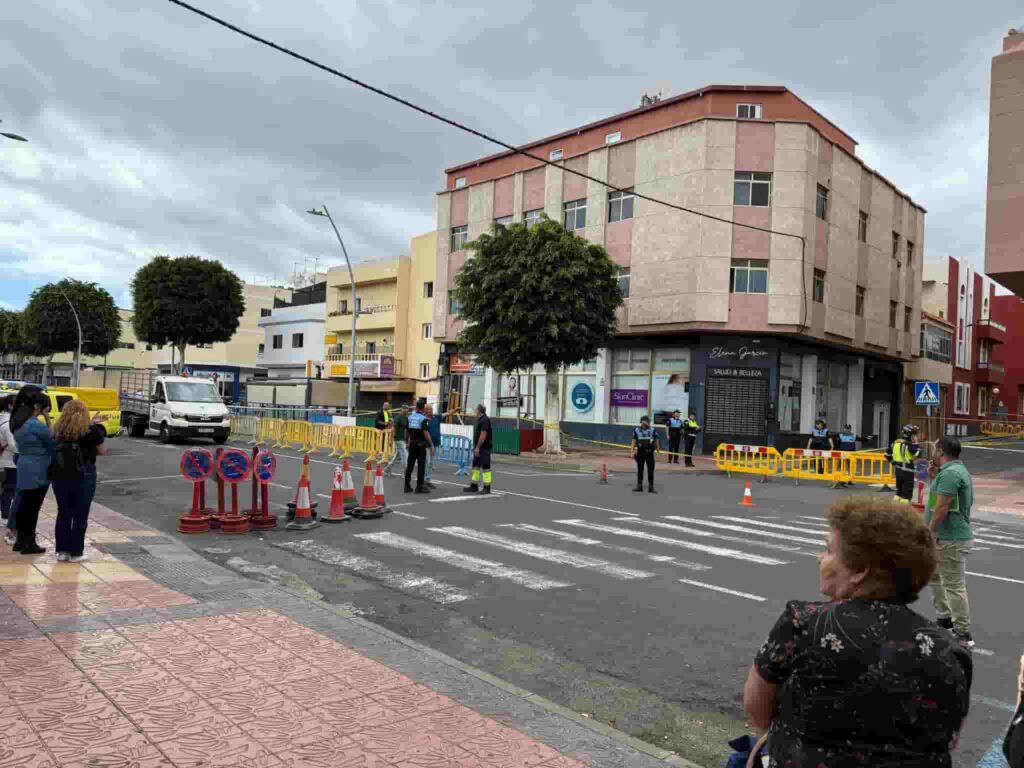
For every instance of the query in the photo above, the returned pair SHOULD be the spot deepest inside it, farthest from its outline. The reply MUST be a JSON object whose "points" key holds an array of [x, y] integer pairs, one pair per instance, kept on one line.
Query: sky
{"points": [[153, 131]]}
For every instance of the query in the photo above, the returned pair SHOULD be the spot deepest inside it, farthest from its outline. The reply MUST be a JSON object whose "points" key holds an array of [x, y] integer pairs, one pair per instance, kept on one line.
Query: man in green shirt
{"points": [[948, 515], [400, 423]]}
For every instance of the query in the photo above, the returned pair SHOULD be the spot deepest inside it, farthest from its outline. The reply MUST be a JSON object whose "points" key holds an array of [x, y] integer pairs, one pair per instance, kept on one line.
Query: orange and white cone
{"points": [[336, 514], [604, 475], [348, 488], [303, 520], [368, 501], [748, 497], [378, 489]]}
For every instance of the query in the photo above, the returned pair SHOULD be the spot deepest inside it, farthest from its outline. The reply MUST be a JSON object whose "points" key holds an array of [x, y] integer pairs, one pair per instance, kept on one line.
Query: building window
{"points": [[503, 221], [277, 342], [984, 352], [460, 235], [454, 308], [359, 304], [862, 227], [575, 214], [859, 308], [936, 344], [555, 154], [265, 312], [428, 290], [533, 217], [790, 386], [149, 347], [819, 286], [631, 383], [962, 399], [821, 203], [895, 245], [748, 276], [424, 370], [892, 314], [984, 400], [428, 331], [371, 347], [460, 182], [624, 281], [906, 319], [753, 189], [297, 341], [613, 138], [204, 346], [343, 307], [910, 252], [830, 392], [262, 348], [126, 345], [748, 111], [620, 206]]}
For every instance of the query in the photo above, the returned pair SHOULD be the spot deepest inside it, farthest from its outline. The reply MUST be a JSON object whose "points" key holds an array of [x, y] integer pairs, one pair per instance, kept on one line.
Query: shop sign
{"points": [[339, 369], [743, 373], [583, 397], [367, 368], [737, 353], [459, 364], [629, 398], [508, 402], [387, 366]]}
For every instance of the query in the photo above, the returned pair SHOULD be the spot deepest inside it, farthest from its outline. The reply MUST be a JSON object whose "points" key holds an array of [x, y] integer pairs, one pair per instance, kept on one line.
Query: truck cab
{"points": [[175, 406]]}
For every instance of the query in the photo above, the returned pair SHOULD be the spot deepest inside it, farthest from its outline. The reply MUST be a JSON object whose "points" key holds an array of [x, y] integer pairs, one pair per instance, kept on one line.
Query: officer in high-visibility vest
{"points": [[820, 440], [690, 430], [903, 454], [643, 447], [419, 442], [675, 434]]}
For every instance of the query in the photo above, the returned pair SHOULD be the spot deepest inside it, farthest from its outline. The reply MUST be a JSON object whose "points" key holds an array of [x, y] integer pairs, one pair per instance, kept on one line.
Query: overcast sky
{"points": [[153, 131]]}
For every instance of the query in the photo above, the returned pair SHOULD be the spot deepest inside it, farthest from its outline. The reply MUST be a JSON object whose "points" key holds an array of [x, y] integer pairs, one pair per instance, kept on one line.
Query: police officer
{"points": [[675, 434], [690, 430], [482, 442], [820, 440], [643, 447], [418, 439], [847, 442], [903, 454]]}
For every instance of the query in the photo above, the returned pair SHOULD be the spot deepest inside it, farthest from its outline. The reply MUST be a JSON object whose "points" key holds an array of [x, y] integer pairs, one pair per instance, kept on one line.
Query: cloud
{"points": [[152, 131]]}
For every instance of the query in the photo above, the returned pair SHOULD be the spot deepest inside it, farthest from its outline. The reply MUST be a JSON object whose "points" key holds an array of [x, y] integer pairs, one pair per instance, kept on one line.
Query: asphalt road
{"points": [[644, 610]]}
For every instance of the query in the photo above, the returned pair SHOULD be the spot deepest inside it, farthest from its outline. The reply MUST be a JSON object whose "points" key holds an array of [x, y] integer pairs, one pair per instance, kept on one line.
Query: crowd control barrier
{"points": [[457, 450], [760, 460], [269, 432], [868, 468], [244, 427], [1001, 429], [297, 434], [814, 464]]}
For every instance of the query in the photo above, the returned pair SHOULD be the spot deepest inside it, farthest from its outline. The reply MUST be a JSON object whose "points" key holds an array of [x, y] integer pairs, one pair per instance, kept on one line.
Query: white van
{"points": [[175, 406]]}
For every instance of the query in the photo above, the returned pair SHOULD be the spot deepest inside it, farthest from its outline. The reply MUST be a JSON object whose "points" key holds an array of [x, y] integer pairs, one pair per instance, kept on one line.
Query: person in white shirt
{"points": [[8, 469]]}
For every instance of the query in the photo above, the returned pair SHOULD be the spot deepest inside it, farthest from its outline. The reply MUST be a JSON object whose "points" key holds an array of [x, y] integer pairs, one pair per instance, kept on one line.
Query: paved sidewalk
{"points": [[148, 655]]}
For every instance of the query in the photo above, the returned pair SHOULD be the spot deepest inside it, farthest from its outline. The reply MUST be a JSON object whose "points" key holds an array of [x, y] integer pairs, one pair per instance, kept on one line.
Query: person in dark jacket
{"points": [[1013, 744], [690, 430], [73, 474], [675, 435], [643, 446], [8, 450], [35, 452]]}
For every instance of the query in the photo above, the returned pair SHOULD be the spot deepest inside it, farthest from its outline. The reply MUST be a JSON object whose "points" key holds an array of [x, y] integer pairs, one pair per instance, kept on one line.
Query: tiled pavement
{"points": [[148, 655]]}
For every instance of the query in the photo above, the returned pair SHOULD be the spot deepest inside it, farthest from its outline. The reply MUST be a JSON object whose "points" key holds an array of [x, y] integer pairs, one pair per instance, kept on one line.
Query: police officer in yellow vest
{"points": [[642, 448], [690, 430], [903, 453]]}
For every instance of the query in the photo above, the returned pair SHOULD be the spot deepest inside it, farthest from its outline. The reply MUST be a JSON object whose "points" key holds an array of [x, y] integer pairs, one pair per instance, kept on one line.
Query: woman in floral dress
{"points": [[862, 680]]}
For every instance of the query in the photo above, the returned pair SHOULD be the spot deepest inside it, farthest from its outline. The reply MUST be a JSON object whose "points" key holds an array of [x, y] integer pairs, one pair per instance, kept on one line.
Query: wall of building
{"points": [[285, 322], [1009, 310], [420, 351]]}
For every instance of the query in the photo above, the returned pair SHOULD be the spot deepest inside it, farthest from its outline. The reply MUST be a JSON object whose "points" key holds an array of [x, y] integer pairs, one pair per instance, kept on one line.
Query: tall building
{"points": [[759, 333], [1010, 356], [1004, 222]]}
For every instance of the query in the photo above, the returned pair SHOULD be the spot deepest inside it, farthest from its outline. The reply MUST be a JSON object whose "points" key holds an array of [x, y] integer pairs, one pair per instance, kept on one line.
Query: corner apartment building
{"points": [[396, 355], [961, 331], [293, 332], [756, 333], [1004, 222]]}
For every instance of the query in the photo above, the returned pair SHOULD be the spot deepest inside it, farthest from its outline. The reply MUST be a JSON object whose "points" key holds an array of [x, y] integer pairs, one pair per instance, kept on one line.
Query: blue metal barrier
{"points": [[457, 450]]}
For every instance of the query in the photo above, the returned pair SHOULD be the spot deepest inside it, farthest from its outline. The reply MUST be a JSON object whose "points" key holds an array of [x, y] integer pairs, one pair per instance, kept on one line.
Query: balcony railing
{"points": [[994, 332], [371, 309], [988, 365], [337, 352]]}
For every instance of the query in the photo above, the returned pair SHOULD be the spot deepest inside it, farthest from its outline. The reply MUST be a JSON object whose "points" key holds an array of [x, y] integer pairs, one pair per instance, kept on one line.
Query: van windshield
{"points": [[192, 392]]}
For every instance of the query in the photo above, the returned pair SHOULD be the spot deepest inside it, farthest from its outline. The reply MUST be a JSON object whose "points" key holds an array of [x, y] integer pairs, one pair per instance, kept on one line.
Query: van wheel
{"points": [[165, 434], [136, 428]]}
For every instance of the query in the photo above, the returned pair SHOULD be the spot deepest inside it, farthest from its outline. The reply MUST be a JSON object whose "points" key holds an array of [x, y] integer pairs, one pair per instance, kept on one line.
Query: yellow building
{"points": [[395, 351]]}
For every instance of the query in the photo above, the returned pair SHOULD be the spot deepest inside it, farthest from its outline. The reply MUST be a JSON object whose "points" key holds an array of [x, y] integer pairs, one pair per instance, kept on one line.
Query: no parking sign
{"points": [[196, 464], [234, 466], [266, 466]]}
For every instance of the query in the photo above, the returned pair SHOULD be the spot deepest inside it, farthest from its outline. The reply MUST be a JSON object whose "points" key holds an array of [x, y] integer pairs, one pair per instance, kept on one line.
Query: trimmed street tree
{"points": [[12, 339], [186, 301], [537, 295], [49, 322]]}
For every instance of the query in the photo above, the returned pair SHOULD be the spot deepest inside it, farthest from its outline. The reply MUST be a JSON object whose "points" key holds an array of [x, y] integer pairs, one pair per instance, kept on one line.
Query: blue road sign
{"points": [[582, 397], [926, 393]]}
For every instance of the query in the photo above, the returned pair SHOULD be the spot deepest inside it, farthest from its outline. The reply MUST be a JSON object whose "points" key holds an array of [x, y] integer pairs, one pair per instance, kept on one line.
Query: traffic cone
{"points": [[336, 514], [748, 497], [604, 475], [368, 501], [919, 493], [303, 520], [378, 489], [348, 488], [294, 503]]}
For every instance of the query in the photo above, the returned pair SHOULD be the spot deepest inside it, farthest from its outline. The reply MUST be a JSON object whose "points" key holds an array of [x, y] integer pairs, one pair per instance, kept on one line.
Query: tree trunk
{"points": [[552, 412], [46, 371], [181, 358]]}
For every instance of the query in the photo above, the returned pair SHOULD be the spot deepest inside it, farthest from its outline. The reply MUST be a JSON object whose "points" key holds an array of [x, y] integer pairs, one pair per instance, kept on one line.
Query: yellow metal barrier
{"points": [[1001, 428], [326, 436], [809, 464], [372, 441], [307, 437], [243, 427], [868, 468], [298, 434], [760, 460], [269, 431]]}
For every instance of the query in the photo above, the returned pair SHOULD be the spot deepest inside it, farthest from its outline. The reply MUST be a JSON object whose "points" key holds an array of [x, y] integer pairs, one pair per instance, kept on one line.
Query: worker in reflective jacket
{"points": [[903, 454], [690, 430], [643, 447]]}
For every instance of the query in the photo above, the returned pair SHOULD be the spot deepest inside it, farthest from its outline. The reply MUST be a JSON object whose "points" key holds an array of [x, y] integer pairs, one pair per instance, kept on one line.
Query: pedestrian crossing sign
{"points": [[926, 393]]}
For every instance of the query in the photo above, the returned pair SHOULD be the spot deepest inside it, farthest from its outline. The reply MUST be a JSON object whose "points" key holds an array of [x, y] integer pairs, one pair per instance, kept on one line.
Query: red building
{"points": [[1010, 311]]}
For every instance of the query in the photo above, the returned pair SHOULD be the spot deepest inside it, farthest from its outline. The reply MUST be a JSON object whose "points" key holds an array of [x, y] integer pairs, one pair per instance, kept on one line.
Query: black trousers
{"points": [[904, 484], [645, 458], [417, 458], [690, 441], [674, 435], [29, 503]]}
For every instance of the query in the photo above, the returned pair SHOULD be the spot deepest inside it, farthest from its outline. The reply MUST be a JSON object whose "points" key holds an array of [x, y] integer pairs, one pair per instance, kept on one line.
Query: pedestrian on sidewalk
{"points": [[434, 428], [690, 430], [862, 680], [398, 425], [73, 474], [418, 439], [643, 446], [675, 434], [482, 442], [35, 451], [8, 469], [948, 516]]}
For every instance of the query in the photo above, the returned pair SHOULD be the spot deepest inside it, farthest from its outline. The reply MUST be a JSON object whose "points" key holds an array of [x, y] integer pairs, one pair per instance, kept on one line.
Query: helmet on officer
{"points": [[909, 430], [645, 420]]}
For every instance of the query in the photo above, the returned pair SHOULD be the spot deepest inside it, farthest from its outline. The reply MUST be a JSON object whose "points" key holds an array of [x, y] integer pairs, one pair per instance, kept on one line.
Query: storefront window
{"points": [[790, 387], [630, 385], [830, 393], [670, 383]]}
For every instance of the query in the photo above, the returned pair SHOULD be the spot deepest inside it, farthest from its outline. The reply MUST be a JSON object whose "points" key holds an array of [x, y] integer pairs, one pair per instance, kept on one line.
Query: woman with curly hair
{"points": [[862, 680], [79, 441]]}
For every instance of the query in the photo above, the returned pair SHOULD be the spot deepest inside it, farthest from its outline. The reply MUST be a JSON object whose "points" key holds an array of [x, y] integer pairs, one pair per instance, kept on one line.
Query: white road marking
{"points": [[413, 583], [141, 479], [774, 526], [551, 555], [524, 578], [547, 474], [407, 514], [278, 485], [747, 595], [998, 543], [574, 539], [554, 501], [997, 578], [740, 529], [715, 534], [983, 651], [989, 448], [710, 550], [467, 497]]}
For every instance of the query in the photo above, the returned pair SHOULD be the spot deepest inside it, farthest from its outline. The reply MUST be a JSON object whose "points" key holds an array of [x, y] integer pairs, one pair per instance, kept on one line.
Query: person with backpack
{"points": [[35, 452], [73, 474], [8, 449]]}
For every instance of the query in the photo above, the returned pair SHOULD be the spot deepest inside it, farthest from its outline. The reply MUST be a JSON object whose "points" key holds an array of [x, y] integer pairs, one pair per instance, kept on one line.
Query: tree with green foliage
{"points": [[185, 301], [50, 326], [12, 339], [537, 295]]}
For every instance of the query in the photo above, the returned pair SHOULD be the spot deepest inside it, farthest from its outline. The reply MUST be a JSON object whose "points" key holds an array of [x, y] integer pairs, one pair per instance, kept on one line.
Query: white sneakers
{"points": [[77, 559], [10, 538], [64, 557]]}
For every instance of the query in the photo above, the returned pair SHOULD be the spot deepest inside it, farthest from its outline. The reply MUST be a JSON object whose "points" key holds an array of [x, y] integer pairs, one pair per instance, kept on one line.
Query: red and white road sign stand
{"points": [[234, 467], [263, 471], [196, 467]]}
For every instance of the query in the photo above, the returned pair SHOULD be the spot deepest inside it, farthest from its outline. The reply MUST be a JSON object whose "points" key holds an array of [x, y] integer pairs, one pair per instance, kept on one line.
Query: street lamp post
{"points": [[355, 307], [78, 352]]}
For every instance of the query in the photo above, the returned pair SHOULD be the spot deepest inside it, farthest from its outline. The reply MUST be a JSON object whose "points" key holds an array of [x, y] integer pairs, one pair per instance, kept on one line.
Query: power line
{"points": [[486, 137]]}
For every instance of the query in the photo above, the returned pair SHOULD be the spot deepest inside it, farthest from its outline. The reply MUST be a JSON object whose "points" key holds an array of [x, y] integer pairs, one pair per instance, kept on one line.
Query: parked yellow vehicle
{"points": [[97, 400]]}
